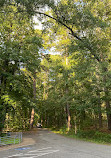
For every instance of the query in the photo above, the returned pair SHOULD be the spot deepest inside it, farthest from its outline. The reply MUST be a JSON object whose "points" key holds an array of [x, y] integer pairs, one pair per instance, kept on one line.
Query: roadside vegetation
{"points": [[9, 141], [60, 75], [94, 136]]}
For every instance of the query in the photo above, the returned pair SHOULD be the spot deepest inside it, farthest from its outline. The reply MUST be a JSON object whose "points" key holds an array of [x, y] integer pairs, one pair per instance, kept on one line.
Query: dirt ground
{"points": [[28, 138]]}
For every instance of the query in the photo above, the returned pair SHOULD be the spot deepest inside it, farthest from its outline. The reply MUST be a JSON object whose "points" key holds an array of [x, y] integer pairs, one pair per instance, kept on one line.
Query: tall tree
{"points": [[19, 48]]}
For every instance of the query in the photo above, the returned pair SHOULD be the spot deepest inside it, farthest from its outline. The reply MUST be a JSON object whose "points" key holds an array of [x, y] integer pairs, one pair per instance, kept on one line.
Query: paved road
{"points": [[50, 145]]}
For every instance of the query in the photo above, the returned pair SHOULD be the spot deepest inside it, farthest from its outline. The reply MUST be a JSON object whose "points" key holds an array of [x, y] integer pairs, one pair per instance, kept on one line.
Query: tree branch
{"points": [[72, 33]]}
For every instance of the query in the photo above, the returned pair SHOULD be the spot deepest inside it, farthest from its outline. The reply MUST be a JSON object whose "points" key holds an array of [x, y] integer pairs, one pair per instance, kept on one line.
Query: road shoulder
{"points": [[28, 139]]}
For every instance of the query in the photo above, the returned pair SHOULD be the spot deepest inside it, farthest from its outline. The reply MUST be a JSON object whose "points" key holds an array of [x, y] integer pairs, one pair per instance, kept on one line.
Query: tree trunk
{"points": [[100, 116], [34, 95], [67, 91], [108, 114], [75, 124], [32, 118], [100, 113], [68, 118], [107, 102], [95, 119]]}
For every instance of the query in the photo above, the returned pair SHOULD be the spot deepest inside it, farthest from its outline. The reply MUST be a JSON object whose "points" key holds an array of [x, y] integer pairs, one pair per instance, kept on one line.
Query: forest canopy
{"points": [[71, 89]]}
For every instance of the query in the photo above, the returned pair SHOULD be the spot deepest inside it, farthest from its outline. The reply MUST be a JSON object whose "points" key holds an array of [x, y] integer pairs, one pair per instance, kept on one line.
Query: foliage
{"points": [[19, 58], [73, 87], [87, 135], [88, 77]]}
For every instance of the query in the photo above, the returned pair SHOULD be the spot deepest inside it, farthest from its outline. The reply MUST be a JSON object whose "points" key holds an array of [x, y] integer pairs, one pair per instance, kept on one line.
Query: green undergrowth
{"points": [[89, 135], [10, 141], [6, 139], [3, 134]]}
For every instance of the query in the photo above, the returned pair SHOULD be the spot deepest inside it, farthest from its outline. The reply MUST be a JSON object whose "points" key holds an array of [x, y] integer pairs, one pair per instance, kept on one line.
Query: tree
{"points": [[19, 48], [90, 31], [87, 25]]}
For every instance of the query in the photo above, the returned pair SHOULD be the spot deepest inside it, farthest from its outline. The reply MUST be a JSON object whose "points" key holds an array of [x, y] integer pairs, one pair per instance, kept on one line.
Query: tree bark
{"points": [[108, 115], [75, 124], [107, 102], [100, 116], [34, 95], [67, 104], [68, 118], [108, 110], [99, 112], [32, 118]]}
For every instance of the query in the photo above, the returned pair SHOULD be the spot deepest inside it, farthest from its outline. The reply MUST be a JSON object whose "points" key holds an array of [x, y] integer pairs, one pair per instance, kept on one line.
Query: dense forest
{"points": [[59, 75]]}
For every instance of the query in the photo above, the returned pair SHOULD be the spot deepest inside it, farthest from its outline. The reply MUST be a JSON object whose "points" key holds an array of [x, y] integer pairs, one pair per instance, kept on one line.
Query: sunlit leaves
{"points": [[19, 47]]}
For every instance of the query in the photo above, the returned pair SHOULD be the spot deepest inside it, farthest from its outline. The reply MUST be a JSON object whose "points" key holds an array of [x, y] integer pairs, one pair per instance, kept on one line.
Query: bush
{"points": [[86, 134], [102, 137], [90, 135], [95, 136]]}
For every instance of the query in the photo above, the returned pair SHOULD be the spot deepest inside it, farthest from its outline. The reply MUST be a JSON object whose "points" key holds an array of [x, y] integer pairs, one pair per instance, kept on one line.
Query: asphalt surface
{"points": [[50, 145]]}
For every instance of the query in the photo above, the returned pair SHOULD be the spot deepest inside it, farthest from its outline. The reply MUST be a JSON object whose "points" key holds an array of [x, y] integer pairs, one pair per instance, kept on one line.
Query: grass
{"points": [[9, 140], [86, 135]]}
